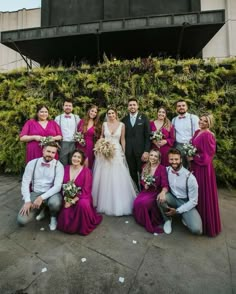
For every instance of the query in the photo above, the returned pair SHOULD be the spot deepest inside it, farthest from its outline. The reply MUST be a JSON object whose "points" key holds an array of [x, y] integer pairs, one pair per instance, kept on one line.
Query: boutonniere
{"points": [[140, 117]]}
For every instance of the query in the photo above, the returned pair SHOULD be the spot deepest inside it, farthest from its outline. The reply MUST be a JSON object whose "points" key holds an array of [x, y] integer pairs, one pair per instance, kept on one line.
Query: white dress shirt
{"points": [[46, 179], [68, 125], [185, 127], [177, 184], [133, 118]]}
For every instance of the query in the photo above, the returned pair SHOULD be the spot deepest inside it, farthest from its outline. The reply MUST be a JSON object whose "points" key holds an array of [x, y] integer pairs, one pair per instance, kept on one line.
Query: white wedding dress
{"points": [[113, 189]]}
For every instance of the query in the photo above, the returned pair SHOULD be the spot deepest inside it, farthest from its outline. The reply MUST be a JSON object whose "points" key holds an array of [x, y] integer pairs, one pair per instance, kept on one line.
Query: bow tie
{"points": [[180, 117], [175, 172], [67, 116], [45, 164]]}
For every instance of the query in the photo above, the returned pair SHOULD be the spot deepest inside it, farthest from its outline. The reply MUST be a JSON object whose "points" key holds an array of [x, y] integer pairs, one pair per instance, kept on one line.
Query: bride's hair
{"points": [[114, 109], [147, 167]]}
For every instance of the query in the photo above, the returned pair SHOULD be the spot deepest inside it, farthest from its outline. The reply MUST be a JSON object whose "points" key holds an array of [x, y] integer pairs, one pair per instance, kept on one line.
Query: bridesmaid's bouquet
{"points": [[79, 137], [46, 140], [156, 135], [149, 180], [105, 148], [189, 149], [70, 190]]}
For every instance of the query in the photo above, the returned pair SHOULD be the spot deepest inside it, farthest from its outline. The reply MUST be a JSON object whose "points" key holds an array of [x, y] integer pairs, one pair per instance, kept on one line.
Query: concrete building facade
{"points": [[21, 19], [221, 46]]}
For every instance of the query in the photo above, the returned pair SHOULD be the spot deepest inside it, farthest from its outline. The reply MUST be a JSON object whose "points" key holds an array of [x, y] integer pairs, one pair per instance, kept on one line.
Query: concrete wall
{"points": [[10, 59], [223, 44]]}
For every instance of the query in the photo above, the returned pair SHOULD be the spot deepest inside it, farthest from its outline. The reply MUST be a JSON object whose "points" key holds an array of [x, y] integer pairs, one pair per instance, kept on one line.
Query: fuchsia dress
{"points": [[33, 127], [89, 143], [169, 136], [146, 212], [204, 172], [82, 217]]}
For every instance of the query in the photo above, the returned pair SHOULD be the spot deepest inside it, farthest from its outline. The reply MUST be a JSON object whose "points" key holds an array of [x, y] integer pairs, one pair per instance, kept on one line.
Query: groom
{"points": [[137, 139]]}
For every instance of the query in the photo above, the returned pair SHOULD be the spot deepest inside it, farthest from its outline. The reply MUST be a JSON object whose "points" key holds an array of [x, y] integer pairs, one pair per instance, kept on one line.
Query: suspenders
{"points": [[187, 186], [74, 119], [191, 121], [33, 176]]}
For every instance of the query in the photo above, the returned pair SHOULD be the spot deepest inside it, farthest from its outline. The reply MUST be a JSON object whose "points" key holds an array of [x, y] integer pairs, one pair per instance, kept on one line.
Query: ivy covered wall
{"points": [[207, 86]]}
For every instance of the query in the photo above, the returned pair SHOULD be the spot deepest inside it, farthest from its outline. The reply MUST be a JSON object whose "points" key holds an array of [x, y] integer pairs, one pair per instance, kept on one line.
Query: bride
{"points": [[113, 189]]}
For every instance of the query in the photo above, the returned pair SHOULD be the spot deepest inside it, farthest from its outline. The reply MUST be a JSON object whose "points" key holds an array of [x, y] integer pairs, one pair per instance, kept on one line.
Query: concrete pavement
{"points": [[34, 260]]}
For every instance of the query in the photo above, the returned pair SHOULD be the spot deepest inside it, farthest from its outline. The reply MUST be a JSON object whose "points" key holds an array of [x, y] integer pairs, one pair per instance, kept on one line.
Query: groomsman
{"points": [[137, 139], [68, 123], [185, 125], [41, 186], [182, 198]]}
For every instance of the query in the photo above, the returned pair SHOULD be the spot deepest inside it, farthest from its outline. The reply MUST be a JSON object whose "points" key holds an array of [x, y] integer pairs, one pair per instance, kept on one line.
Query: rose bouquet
{"points": [[105, 148], [156, 135], [189, 149], [70, 190], [79, 137], [46, 140]]}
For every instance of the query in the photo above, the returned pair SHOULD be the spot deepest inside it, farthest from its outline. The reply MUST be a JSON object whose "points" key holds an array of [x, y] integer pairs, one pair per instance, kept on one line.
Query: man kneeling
{"points": [[183, 196], [41, 185]]}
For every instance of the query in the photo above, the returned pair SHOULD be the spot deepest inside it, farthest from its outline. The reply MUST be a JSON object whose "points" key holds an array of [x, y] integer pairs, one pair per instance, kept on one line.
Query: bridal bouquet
{"points": [[79, 137], [45, 140], [105, 148], [70, 190], [149, 180], [156, 135], [189, 149]]}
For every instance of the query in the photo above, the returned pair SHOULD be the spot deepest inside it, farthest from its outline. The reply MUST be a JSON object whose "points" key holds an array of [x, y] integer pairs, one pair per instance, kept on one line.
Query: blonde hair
{"points": [[210, 119], [167, 122], [147, 167]]}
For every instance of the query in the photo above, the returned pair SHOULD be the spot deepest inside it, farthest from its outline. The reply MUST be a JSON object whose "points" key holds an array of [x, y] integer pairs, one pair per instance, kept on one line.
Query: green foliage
{"points": [[206, 85]]}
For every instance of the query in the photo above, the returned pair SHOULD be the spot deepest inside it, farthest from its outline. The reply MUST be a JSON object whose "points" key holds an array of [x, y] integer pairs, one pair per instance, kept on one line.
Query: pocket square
{"points": [[140, 124]]}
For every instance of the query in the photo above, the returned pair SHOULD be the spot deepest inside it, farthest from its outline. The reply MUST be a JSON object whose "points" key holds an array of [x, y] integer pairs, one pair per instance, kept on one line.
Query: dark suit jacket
{"points": [[137, 138]]}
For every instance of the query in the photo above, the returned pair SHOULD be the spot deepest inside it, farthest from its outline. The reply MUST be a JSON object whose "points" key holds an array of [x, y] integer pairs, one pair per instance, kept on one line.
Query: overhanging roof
{"points": [[157, 35]]}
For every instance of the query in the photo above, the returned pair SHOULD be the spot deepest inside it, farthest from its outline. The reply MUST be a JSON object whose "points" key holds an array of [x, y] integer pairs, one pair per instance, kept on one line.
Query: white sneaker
{"points": [[167, 227], [184, 223], [53, 223], [41, 215]]}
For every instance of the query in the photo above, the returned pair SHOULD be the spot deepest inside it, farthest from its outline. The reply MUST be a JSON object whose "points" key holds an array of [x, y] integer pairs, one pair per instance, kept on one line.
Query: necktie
{"points": [[45, 164], [175, 172], [67, 116], [180, 117], [132, 120]]}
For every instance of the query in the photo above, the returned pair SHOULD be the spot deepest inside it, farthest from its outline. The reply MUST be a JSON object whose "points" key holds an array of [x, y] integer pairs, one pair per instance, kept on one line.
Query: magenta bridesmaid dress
{"points": [[82, 217], [33, 127], [202, 167], [146, 212], [169, 136], [89, 143]]}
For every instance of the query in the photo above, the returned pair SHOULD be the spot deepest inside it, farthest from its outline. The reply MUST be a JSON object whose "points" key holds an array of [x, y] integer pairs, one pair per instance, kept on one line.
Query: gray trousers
{"points": [[54, 204], [66, 151], [191, 217]]}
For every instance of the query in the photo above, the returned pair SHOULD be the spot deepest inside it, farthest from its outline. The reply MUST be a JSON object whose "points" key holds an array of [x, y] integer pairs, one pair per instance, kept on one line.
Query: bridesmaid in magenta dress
{"points": [[202, 167], [35, 129], [163, 124], [89, 126], [80, 216], [146, 212]]}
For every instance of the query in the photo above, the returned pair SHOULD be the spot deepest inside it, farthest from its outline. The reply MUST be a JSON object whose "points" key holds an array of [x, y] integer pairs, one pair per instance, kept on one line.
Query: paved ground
{"points": [[36, 261]]}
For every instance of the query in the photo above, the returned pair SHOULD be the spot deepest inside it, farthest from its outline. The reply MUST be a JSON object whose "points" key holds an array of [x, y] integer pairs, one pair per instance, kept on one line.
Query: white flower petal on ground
{"points": [[134, 242], [42, 229], [155, 234], [83, 259], [126, 222], [121, 279], [44, 270]]}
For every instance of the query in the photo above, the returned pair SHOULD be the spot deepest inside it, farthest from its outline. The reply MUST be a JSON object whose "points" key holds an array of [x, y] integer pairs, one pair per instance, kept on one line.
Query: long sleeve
{"points": [[164, 179], [56, 128], [171, 139], [27, 179], [205, 149], [87, 185], [26, 129], [57, 182]]}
